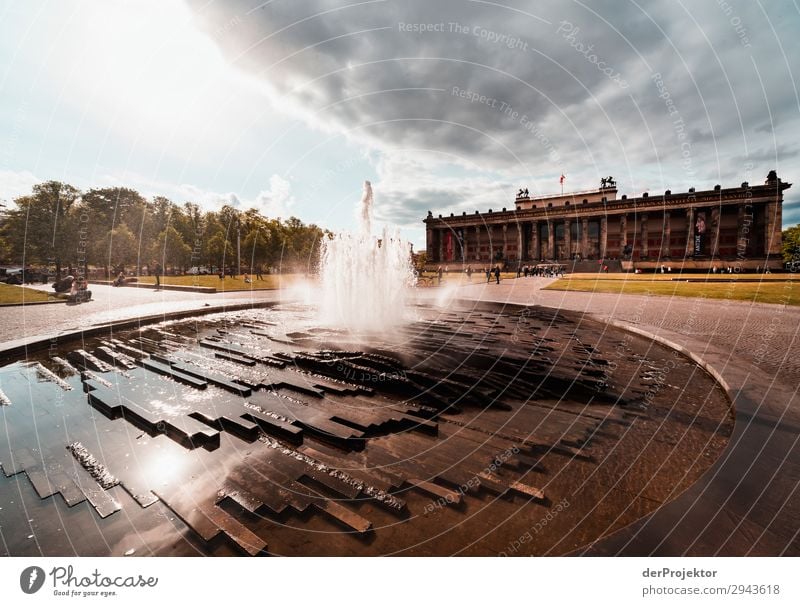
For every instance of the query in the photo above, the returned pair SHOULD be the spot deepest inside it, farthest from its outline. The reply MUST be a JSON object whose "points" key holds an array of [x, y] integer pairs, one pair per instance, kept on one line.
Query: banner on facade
{"points": [[699, 233]]}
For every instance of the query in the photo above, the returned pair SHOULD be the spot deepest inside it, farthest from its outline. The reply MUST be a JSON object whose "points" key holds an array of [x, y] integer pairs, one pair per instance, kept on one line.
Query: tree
{"points": [[220, 250], [123, 248], [43, 227], [104, 210], [117, 226], [791, 244], [170, 249]]}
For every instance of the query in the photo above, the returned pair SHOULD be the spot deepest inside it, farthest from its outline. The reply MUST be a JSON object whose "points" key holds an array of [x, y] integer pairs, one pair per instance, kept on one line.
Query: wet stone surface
{"points": [[478, 430]]}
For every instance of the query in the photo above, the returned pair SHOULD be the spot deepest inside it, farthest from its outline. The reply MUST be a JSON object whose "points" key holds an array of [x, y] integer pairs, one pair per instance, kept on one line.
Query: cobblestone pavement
{"points": [[766, 336]]}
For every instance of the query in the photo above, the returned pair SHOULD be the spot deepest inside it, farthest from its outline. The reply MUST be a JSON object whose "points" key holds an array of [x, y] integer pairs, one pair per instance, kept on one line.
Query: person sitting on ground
{"points": [[64, 284], [120, 280], [84, 294], [79, 292], [73, 290], [246, 279]]}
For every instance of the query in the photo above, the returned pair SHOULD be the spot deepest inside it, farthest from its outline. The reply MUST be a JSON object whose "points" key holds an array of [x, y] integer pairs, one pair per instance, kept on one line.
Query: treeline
{"points": [[59, 225]]}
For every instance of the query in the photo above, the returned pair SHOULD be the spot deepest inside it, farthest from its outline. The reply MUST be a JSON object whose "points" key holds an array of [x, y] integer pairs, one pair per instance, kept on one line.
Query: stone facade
{"points": [[716, 227]]}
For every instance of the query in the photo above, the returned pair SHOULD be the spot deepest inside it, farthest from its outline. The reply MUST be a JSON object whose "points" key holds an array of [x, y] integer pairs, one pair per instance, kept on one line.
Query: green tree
{"points": [[791, 244], [105, 209], [169, 249], [42, 228], [123, 247], [220, 250]]}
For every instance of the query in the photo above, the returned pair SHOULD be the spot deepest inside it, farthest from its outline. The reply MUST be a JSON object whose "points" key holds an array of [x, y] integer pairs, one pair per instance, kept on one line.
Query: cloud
{"points": [[14, 184], [208, 200], [277, 200], [665, 90]]}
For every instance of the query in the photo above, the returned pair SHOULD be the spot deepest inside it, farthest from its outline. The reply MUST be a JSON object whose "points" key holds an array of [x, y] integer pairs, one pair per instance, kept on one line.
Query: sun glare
{"points": [[145, 69]]}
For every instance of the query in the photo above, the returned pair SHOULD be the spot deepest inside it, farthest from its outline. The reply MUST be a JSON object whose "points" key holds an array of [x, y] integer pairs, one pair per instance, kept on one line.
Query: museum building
{"points": [[737, 227]]}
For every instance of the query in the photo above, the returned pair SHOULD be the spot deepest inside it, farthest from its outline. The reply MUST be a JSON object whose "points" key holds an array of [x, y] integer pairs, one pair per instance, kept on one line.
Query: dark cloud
{"points": [[582, 75]]}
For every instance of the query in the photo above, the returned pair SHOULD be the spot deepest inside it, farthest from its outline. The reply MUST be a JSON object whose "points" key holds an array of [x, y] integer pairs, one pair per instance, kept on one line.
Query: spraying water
{"points": [[365, 280]]}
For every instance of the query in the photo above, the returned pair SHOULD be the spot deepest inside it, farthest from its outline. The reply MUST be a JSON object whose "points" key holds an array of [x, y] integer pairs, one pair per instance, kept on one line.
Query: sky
{"points": [[448, 105]]}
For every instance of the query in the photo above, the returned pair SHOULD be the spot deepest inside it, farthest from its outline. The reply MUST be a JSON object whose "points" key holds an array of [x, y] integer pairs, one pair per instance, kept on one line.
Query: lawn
{"points": [[10, 294], [270, 281], [675, 276], [770, 290]]}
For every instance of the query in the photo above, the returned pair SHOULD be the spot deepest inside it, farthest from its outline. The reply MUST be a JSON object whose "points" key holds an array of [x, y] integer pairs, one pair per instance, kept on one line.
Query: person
{"points": [[120, 279], [439, 272], [64, 284], [258, 272], [605, 269], [519, 271], [246, 279], [73, 290], [84, 294], [497, 273], [488, 271], [79, 291], [158, 275], [700, 224], [469, 273]]}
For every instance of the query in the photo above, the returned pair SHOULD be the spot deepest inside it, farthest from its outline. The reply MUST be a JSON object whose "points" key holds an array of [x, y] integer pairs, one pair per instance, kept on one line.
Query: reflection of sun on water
{"points": [[170, 409]]}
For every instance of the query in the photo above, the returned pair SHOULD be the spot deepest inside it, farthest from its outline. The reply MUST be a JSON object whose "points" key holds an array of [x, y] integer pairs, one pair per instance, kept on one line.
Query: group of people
{"points": [[492, 271], [544, 271]]}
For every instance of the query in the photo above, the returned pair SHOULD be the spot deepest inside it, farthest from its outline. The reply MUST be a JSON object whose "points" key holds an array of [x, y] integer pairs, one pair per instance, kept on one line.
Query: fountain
{"points": [[377, 427], [365, 280]]}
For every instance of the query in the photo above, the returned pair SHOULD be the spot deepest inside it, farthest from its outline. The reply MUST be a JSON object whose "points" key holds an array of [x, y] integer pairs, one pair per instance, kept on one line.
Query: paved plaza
{"points": [[108, 305], [746, 503], [749, 502]]}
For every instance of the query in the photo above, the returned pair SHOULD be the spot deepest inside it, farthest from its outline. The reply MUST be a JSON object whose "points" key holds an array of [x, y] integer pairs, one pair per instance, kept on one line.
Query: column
{"points": [[772, 228], [533, 251], [519, 241], [743, 231], [643, 244], [440, 253], [477, 242], [603, 236], [690, 232], [505, 241], [429, 244], [585, 238], [666, 234], [623, 233], [567, 238], [715, 221], [551, 240]]}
